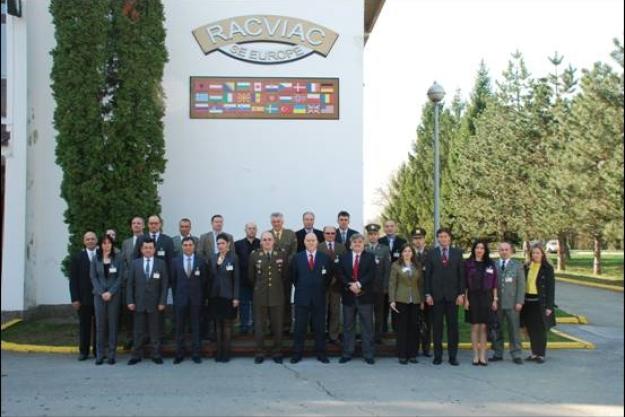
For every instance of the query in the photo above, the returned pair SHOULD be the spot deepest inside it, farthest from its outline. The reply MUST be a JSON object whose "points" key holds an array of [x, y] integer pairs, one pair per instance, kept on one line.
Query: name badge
{"points": [[336, 261], [406, 269], [112, 270], [156, 275], [260, 261], [197, 272], [160, 253], [424, 269], [377, 261], [396, 255], [323, 271], [508, 279], [229, 268], [489, 270]]}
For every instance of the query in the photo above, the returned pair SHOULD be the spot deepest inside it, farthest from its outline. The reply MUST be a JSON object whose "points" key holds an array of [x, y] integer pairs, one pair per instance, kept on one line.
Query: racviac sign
{"points": [[265, 39]]}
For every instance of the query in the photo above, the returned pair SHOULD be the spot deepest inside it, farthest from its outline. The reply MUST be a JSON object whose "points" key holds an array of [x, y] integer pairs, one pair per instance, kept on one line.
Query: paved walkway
{"points": [[570, 383]]}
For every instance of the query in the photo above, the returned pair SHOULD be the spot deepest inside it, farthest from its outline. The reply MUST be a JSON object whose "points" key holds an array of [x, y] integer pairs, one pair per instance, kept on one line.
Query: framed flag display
{"points": [[264, 98]]}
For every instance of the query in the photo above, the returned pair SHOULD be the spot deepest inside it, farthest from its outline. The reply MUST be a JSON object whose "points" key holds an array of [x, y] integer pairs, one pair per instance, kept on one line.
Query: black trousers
{"points": [[125, 318], [184, 315], [447, 310], [224, 337], [424, 335], [535, 324], [86, 329], [407, 330], [379, 314], [302, 316]]}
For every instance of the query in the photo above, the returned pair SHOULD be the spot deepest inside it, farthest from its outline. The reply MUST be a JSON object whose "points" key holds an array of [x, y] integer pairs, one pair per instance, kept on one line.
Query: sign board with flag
{"points": [[264, 98]]}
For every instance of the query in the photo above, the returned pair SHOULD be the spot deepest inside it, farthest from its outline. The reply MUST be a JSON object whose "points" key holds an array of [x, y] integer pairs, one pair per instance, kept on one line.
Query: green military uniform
{"points": [[268, 277], [286, 243]]}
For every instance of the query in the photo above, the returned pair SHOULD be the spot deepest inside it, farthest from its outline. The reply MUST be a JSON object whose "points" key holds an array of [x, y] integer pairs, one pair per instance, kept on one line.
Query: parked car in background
{"points": [[551, 246]]}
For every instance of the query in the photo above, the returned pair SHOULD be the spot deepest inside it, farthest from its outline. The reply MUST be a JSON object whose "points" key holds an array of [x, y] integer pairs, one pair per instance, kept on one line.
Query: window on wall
{"points": [[3, 103]]}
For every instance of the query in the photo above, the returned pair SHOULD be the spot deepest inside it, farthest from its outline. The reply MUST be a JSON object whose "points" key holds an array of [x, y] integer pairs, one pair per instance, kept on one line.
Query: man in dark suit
{"points": [[81, 292], [146, 295], [130, 252], [243, 249], [333, 297], [444, 292], [343, 232], [310, 273], [392, 240], [424, 337], [308, 218], [189, 276], [184, 226], [382, 276], [357, 271]]}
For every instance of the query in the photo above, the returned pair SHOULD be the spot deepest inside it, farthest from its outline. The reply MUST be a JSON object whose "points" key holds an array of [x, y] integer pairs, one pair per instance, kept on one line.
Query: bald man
{"points": [[81, 292]]}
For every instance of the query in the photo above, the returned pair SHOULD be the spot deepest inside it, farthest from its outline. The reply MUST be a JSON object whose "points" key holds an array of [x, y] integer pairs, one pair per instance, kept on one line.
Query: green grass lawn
{"points": [[580, 266]]}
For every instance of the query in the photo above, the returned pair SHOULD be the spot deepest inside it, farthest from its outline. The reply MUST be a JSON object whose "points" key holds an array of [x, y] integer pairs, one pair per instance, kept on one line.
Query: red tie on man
{"points": [[355, 269], [444, 258], [311, 262]]}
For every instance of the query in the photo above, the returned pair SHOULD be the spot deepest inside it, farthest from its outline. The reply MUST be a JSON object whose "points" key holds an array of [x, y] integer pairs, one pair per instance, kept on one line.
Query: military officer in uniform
{"points": [[382, 272], [424, 337], [267, 272], [285, 243]]}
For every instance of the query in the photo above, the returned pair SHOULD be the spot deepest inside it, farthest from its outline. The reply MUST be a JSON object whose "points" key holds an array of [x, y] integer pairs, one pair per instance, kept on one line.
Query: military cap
{"points": [[418, 232], [372, 228]]}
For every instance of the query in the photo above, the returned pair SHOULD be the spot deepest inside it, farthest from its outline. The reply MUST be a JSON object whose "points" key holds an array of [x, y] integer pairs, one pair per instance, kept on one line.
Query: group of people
{"points": [[334, 280]]}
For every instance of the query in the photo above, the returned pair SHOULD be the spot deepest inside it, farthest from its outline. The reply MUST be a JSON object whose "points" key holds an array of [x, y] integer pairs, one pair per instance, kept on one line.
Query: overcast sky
{"points": [[416, 42]]}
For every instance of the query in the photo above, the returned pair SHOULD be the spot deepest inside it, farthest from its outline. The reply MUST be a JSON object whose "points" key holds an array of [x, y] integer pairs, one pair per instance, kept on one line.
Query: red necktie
{"points": [[311, 262], [444, 258], [355, 268]]}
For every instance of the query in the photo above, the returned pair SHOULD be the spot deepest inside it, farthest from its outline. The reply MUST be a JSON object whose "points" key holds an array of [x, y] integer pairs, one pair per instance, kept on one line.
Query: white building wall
{"points": [[243, 169]]}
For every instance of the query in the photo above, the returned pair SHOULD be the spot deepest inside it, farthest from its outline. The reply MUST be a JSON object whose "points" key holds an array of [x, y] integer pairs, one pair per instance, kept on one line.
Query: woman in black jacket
{"points": [[538, 314]]}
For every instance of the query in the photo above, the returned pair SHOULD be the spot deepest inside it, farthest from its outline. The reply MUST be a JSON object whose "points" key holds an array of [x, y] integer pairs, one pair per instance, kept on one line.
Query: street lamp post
{"points": [[436, 93]]}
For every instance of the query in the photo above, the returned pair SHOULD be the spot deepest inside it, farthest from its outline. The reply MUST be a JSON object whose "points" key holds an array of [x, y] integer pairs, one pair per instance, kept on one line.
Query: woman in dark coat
{"points": [[538, 314], [481, 297], [224, 295]]}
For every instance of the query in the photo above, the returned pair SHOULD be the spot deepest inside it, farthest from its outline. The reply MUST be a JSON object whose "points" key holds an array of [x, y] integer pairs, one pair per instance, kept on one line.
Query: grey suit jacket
{"points": [[147, 292], [178, 244], [511, 284], [206, 246], [100, 283], [128, 254], [382, 266]]}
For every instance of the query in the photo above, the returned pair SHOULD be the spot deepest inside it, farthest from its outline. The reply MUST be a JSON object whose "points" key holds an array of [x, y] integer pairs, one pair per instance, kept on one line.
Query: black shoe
{"points": [[225, 359], [82, 357], [453, 362], [158, 361], [475, 363], [495, 358], [217, 358], [323, 359], [258, 360], [296, 358], [369, 361], [437, 361], [196, 359], [344, 359], [134, 361], [427, 354], [277, 359], [178, 360], [539, 359], [111, 361], [483, 363], [99, 361], [518, 361], [531, 358], [413, 360], [403, 361]]}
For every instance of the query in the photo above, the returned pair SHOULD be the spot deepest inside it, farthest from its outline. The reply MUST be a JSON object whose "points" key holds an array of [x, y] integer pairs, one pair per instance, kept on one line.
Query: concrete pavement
{"points": [[570, 383]]}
